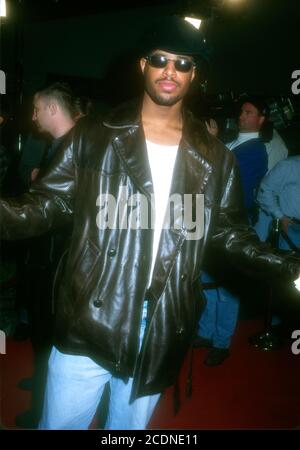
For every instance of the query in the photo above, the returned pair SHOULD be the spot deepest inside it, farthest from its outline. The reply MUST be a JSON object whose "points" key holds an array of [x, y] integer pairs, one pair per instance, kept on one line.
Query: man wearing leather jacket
{"points": [[54, 114], [129, 297]]}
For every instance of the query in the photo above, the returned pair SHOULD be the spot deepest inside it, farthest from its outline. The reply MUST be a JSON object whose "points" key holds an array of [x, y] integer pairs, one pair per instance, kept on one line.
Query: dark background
{"points": [[253, 46]]}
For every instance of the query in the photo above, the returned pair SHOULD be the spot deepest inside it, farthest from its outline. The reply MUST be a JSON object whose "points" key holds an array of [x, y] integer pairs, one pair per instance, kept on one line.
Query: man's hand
{"points": [[34, 174], [212, 127], [285, 222]]}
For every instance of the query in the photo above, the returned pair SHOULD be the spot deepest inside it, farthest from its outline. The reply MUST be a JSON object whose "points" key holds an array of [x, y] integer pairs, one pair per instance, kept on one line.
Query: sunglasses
{"points": [[160, 62]]}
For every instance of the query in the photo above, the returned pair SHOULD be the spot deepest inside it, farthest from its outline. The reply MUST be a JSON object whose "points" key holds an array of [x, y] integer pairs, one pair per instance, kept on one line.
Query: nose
{"points": [[170, 70], [34, 116], [242, 115]]}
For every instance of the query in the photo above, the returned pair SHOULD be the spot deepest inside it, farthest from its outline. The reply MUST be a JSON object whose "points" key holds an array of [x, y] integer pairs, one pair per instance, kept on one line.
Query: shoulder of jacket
{"points": [[197, 135], [125, 115], [86, 134]]}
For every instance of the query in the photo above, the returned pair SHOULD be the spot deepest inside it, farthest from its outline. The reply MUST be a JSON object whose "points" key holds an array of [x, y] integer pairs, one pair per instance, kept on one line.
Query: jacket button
{"points": [[117, 367], [98, 303], [180, 331], [112, 253], [183, 277]]}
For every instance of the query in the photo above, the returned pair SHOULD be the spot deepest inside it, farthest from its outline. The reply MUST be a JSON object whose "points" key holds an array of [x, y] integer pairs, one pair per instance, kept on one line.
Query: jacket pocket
{"points": [[83, 270]]}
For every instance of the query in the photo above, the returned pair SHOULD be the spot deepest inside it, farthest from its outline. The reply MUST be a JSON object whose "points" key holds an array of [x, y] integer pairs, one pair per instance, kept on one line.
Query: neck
{"points": [[62, 128], [165, 116], [248, 131]]}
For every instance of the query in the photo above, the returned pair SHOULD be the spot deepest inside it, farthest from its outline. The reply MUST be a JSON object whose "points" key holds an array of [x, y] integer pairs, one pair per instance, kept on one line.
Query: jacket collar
{"points": [[193, 164], [128, 116], [129, 143], [126, 121]]}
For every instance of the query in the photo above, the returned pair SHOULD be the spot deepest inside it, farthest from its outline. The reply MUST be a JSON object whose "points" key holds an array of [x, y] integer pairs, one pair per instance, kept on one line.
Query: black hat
{"points": [[174, 35]]}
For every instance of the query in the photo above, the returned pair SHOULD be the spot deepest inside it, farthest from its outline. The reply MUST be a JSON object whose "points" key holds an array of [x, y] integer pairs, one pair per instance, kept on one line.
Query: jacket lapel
{"points": [[191, 174], [129, 143], [131, 148]]}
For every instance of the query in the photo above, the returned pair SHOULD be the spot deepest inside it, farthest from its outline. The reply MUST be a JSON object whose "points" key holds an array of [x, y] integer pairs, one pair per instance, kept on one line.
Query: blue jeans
{"points": [[74, 389], [219, 318]]}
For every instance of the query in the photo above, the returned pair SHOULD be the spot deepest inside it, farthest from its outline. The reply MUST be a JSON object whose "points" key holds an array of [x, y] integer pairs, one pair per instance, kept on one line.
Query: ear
{"points": [[261, 120], [53, 108], [143, 64], [193, 73]]}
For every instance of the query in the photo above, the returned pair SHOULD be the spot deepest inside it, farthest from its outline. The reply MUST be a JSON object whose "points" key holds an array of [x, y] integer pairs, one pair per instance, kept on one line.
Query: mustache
{"points": [[167, 79]]}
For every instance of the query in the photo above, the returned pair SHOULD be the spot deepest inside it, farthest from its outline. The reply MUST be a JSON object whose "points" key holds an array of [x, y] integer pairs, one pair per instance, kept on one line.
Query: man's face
{"points": [[250, 119], [42, 114], [166, 86]]}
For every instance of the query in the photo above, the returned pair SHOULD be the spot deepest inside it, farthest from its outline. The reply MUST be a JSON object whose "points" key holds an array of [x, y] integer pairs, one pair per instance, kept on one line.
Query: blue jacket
{"points": [[252, 159]]}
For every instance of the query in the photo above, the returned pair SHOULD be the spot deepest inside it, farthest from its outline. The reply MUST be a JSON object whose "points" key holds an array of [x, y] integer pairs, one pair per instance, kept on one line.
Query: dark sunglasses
{"points": [[160, 62]]}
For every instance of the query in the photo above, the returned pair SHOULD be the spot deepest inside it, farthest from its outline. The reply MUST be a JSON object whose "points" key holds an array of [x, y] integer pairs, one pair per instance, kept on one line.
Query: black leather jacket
{"points": [[104, 274]]}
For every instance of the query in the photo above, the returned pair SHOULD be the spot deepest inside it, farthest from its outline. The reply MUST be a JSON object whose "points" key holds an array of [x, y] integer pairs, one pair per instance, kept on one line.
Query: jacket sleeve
{"points": [[48, 204], [239, 242], [270, 189]]}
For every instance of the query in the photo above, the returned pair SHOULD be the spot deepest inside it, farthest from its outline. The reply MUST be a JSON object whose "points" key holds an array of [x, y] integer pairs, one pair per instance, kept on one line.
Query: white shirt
{"points": [[161, 160], [276, 149], [242, 137]]}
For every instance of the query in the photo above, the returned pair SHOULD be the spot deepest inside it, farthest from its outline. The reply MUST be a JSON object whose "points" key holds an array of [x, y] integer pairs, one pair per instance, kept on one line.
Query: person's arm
{"points": [[269, 192], [31, 157], [49, 203], [240, 243], [270, 189]]}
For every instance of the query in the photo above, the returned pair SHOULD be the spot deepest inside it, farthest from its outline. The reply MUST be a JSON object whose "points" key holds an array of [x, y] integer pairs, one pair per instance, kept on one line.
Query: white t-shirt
{"points": [[242, 137], [162, 160]]}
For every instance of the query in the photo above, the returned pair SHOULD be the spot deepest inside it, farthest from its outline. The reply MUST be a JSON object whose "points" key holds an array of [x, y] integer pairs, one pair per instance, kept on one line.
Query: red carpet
{"points": [[251, 390]]}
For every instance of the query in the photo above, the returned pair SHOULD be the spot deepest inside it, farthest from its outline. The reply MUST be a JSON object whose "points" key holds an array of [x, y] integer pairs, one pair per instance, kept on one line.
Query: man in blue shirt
{"points": [[279, 198], [219, 319], [249, 149]]}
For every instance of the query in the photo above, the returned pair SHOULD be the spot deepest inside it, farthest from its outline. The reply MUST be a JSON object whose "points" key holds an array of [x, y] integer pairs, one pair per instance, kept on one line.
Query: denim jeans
{"points": [[74, 389], [219, 318]]}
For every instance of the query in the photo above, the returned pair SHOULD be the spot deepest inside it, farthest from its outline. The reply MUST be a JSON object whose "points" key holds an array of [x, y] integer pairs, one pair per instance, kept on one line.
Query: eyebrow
{"points": [[247, 110]]}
